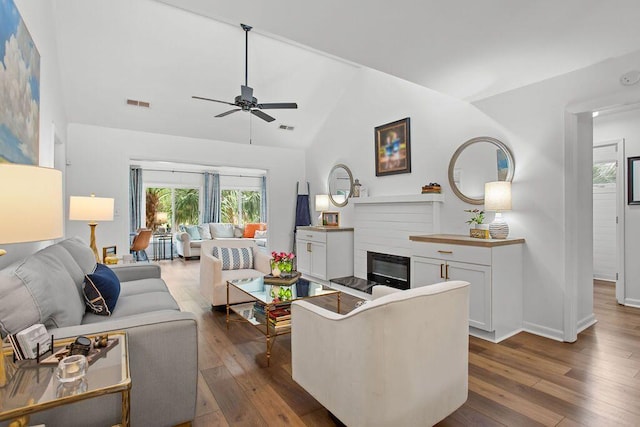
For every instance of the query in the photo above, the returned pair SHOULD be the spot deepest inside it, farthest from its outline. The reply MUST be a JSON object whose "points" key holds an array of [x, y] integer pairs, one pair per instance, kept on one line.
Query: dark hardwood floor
{"points": [[523, 381]]}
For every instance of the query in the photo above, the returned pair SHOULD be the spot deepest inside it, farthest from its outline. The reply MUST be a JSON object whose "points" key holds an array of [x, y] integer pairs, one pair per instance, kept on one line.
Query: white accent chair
{"points": [[398, 360], [213, 279]]}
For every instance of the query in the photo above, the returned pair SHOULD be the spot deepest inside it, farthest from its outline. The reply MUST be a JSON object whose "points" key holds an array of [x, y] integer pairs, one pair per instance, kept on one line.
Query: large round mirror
{"points": [[340, 185], [476, 162]]}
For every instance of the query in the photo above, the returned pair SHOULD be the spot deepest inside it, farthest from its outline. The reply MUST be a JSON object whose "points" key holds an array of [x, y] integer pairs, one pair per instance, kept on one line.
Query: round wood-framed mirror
{"points": [[477, 161], [340, 185]]}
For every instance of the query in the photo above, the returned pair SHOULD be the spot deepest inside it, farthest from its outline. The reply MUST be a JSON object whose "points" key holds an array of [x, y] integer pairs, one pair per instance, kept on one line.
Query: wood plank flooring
{"points": [[524, 381]]}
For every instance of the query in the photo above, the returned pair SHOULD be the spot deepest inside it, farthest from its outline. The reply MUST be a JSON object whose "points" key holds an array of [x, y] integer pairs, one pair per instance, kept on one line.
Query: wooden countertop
{"points": [[324, 228], [459, 239]]}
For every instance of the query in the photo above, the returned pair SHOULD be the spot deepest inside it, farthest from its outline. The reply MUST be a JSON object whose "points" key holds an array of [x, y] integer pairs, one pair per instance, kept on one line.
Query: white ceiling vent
{"points": [[285, 127], [136, 103]]}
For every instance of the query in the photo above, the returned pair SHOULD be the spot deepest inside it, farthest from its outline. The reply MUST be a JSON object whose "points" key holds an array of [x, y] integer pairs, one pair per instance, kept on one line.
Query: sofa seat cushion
{"points": [[131, 305], [195, 243]]}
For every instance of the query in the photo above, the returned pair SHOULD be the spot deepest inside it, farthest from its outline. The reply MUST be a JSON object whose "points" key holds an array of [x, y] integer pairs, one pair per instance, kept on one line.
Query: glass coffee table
{"points": [[34, 387], [268, 311]]}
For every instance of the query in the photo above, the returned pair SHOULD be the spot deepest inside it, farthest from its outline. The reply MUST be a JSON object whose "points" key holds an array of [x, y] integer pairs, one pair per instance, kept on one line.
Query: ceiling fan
{"points": [[246, 101]]}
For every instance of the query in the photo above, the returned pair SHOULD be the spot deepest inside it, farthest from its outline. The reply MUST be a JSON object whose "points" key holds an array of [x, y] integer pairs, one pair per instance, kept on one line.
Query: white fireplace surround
{"points": [[384, 223]]}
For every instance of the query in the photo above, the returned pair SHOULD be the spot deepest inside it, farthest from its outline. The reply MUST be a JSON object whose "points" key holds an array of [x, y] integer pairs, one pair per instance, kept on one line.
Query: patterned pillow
{"points": [[101, 290], [234, 258]]}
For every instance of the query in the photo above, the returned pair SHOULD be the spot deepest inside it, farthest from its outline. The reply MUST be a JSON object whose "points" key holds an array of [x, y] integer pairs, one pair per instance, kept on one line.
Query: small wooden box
{"points": [[479, 233]]}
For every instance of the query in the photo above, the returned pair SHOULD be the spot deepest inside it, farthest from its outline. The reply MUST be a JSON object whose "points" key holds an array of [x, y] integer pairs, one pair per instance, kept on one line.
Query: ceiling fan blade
{"points": [[226, 113], [263, 116], [274, 105], [214, 100]]}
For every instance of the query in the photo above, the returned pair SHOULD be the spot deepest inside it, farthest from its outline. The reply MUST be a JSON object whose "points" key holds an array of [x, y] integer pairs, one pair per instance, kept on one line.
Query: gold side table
{"points": [[34, 387]]}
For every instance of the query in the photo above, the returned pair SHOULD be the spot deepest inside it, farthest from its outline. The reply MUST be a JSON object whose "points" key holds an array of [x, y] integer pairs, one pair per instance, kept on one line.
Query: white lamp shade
{"points": [[497, 196], [90, 208], [31, 204], [322, 202], [162, 217]]}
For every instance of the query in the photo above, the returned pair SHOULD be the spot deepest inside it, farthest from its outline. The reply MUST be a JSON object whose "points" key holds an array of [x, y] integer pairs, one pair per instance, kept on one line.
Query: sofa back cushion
{"points": [[221, 229], [81, 253], [250, 229], [192, 231], [234, 258], [205, 232], [41, 289]]}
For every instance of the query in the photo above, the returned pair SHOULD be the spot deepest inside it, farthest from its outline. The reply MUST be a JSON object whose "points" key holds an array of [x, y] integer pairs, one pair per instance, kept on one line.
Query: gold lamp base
{"points": [[92, 242]]}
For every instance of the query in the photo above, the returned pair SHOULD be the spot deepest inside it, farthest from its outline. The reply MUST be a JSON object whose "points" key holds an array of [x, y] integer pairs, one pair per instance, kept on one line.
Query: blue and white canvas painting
{"points": [[19, 89]]}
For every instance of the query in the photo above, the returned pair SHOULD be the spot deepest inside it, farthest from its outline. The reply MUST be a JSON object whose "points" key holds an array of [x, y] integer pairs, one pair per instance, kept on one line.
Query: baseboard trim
{"points": [[587, 322], [631, 302], [543, 331]]}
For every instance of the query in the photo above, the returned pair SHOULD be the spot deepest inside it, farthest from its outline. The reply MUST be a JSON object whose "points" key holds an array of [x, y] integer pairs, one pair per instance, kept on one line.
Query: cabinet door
{"points": [[303, 256], [318, 266], [426, 271], [479, 291]]}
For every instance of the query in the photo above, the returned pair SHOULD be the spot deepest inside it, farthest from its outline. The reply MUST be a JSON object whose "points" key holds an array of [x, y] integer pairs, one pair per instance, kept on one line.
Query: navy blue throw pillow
{"points": [[101, 290]]}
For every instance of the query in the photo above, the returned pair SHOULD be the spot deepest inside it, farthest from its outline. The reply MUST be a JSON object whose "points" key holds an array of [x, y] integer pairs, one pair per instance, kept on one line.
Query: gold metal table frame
{"points": [[41, 396], [261, 293]]}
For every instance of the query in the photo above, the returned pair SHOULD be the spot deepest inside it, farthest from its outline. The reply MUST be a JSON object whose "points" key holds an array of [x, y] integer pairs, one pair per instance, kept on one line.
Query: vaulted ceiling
{"points": [[166, 51]]}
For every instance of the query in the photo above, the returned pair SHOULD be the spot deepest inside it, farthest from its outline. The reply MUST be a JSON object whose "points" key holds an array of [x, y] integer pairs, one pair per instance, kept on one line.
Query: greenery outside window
{"points": [[182, 206], [240, 206]]}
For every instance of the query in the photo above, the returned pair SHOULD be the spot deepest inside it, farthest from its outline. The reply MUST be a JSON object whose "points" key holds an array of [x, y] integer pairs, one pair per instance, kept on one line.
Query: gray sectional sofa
{"points": [[163, 349]]}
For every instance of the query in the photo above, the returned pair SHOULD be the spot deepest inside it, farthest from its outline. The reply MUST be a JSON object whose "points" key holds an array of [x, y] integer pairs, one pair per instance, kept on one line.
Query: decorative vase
{"points": [[275, 271]]}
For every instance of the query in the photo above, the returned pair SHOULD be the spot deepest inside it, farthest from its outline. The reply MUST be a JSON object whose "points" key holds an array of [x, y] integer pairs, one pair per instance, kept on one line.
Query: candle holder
{"points": [[72, 368]]}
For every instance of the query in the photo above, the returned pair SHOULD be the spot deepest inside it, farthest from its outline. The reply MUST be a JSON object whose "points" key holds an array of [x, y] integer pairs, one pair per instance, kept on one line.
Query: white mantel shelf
{"points": [[410, 198]]}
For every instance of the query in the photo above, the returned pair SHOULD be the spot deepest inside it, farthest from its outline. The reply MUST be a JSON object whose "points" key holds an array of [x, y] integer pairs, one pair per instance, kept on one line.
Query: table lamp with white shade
{"points": [[497, 197], [31, 204], [322, 205], [91, 209]]}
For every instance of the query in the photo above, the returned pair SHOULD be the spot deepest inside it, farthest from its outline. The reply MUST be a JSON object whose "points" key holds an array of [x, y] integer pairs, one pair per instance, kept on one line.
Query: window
{"points": [[240, 206], [182, 206], [604, 173]]}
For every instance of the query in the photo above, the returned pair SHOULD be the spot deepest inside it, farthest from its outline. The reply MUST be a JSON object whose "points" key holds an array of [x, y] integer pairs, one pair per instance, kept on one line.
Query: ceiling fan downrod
{"points": [[246, 29]]}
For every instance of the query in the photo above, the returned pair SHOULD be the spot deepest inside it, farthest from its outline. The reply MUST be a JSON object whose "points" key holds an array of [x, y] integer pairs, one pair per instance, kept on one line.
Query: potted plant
{"points": [[477, 217], [281, 264]]}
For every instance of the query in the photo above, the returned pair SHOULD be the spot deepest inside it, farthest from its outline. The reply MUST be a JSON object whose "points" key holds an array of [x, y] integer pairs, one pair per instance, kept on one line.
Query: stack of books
{"points": [[433, 187], [259, 312], [280, 319]]}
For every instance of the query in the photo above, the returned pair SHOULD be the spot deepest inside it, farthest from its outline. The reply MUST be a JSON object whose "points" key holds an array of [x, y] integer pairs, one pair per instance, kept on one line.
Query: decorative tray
{"points": [[94, 353], [270, 280]]}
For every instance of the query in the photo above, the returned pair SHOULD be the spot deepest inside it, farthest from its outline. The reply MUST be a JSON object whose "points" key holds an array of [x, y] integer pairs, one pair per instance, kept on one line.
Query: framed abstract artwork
{"points": [[20, 97], [393, 148]]}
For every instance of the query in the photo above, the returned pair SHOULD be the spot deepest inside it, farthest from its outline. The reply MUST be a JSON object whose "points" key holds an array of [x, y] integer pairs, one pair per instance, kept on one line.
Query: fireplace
{"points": [[382, 269], [390, 270]]}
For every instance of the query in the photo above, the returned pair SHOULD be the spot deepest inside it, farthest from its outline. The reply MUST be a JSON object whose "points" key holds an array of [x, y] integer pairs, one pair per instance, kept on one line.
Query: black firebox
{"points": [[390, 270]]}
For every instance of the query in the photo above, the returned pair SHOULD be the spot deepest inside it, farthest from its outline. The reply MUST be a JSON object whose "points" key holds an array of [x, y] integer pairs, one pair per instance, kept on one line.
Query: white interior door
{"points": [[608, 211]]}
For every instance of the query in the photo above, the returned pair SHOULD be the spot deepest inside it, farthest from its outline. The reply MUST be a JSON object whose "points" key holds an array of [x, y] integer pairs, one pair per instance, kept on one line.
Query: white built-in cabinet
{"points": [[324, 252], [492, 267]]}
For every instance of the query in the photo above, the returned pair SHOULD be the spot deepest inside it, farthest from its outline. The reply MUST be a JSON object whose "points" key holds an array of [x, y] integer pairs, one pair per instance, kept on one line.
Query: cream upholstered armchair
{"points": [[213, 278], [399, 360]]}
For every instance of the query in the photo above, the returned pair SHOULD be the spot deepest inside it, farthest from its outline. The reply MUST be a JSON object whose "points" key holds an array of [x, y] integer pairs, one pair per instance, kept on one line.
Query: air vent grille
{"points": [[136, 103], [285, 127]]}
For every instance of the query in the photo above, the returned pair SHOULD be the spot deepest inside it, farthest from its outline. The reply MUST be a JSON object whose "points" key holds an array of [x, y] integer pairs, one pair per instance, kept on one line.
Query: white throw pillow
{"points": [[221, 229], [260, 234], [205, 234]]}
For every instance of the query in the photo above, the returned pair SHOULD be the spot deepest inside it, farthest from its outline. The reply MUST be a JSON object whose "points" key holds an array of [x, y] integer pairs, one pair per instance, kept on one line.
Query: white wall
{"points": [[626, 125], [439, 125], [553, 182], [37, 17], [99, 162]]}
